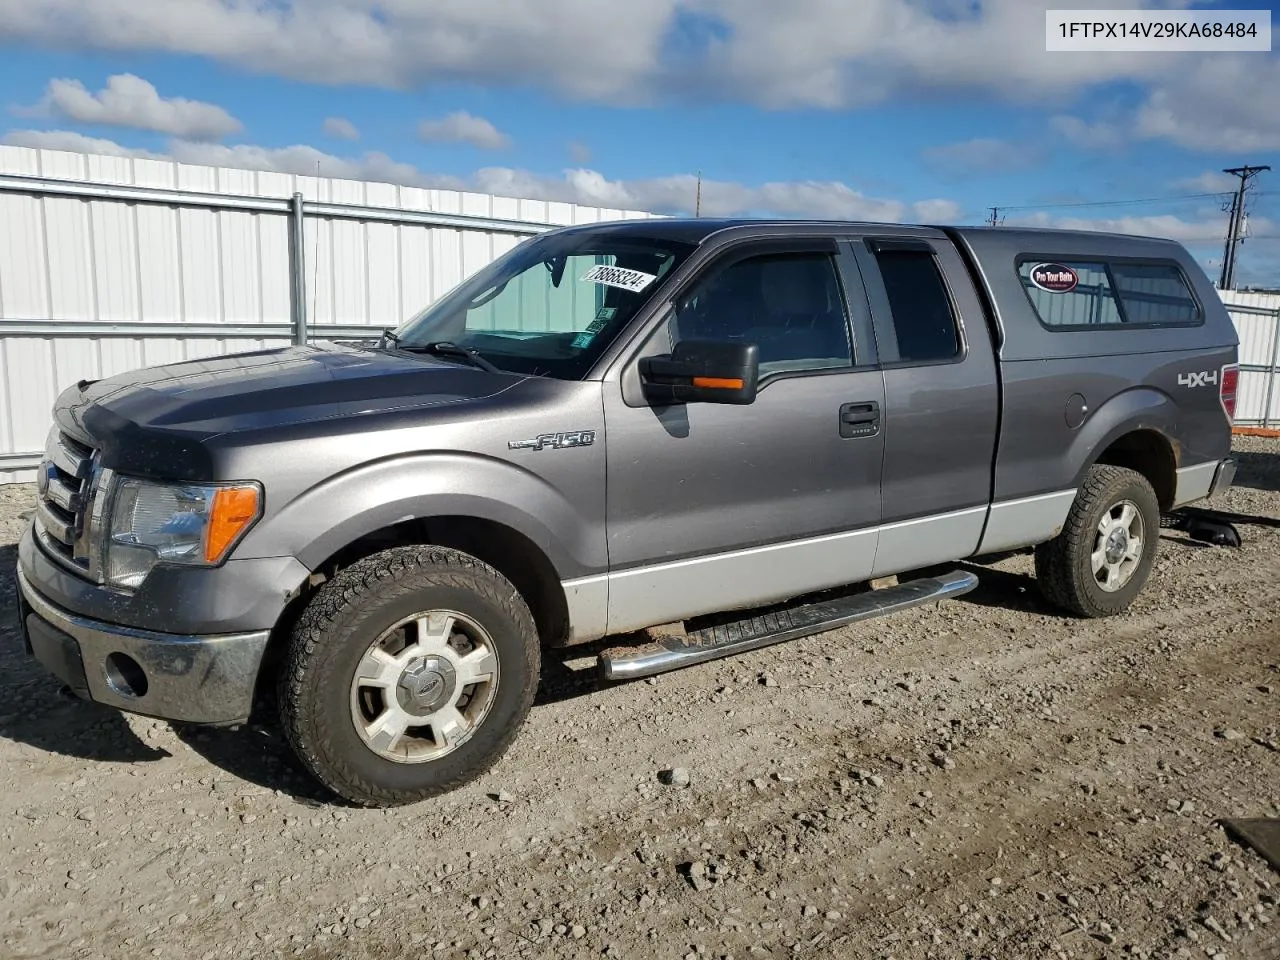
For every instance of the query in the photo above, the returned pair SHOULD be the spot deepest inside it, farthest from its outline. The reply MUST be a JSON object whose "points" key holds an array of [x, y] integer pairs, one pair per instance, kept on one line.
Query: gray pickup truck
{"points": [[735, 431]]}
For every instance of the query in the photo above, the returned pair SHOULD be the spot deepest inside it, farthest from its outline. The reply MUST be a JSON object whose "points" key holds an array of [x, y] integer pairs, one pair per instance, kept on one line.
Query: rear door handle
{"points": [[860, 419]]}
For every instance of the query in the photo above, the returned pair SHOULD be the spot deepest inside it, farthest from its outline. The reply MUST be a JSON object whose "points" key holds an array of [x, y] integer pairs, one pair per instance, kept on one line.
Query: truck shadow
{"points": [[1257, 470], [570, 673], [1006, 590], [258, 752], [34, 712], [1018, 591]]}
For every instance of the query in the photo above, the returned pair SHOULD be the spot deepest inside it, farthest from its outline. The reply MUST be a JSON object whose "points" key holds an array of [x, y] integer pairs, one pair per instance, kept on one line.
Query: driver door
{"points": [[712, 507]]}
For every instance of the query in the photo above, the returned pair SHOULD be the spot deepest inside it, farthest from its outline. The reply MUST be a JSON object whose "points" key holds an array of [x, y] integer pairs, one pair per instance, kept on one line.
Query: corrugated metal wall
{"points": [[102, 261], [120, 283], [1257, 319]]}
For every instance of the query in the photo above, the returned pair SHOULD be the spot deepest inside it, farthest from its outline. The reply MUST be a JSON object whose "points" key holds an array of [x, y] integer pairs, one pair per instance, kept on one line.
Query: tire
{"points": [[1065, 566], [341, 702]]}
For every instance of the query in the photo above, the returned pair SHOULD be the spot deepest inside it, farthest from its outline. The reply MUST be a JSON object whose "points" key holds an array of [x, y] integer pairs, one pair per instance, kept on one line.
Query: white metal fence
{"points": [[1257, 320], [109, 264]]}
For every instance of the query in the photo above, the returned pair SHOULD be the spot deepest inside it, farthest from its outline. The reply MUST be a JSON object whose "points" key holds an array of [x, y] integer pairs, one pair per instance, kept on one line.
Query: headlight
{"points": [[174, 523]]}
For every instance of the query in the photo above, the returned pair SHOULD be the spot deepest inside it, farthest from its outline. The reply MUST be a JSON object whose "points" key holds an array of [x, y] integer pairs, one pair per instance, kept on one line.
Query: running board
{"points": [[754, 632]]}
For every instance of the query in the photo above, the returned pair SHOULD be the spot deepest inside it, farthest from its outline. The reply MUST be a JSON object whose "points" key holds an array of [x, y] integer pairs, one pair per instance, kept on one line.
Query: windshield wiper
{"points": [[445, 348]]}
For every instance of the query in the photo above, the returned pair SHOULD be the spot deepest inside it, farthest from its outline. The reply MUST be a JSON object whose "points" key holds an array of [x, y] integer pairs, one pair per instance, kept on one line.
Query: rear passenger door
{"points": [[941, 401]]}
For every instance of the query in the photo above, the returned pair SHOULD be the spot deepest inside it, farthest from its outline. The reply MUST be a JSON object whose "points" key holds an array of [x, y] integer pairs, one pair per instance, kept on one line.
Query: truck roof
{"points": [[696, 230]]}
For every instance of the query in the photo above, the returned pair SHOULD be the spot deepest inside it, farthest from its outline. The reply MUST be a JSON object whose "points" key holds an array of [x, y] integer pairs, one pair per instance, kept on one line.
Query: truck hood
{"points": [[185, 403]]}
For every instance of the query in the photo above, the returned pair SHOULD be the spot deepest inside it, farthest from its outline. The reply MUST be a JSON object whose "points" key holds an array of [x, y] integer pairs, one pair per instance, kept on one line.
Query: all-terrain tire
{"points": [[1064, 570], [347, 614]]}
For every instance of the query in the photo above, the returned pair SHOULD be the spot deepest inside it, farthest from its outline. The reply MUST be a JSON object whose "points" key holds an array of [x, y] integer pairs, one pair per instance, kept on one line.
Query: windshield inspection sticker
{"points": [[621, 277], [1054, 277]]}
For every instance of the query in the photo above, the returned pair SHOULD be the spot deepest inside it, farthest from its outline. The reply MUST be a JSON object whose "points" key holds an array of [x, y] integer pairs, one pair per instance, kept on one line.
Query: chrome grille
{"points": [[64, 482]]}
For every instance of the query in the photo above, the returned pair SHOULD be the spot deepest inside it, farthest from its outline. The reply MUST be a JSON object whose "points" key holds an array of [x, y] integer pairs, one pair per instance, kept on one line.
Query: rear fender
{"points": [[1139, 408]]}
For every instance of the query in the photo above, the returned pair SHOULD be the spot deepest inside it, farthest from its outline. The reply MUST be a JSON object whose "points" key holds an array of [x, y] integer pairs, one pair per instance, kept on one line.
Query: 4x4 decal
{"points": [[1204, 378]]}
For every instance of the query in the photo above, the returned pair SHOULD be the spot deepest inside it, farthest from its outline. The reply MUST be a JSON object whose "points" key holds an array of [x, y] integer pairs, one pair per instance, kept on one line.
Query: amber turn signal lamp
{"points": [[717, 383], [234, 511]]}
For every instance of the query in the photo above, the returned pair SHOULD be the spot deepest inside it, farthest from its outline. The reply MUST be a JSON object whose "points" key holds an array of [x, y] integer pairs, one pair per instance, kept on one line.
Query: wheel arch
{"points": [[509, 551], [508, 517], [1135, 430], [1150, 453]]}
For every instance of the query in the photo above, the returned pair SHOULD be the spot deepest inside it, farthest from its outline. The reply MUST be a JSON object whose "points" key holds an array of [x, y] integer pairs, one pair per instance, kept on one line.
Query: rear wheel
{"points": [[1103, 557], [408, 675]]}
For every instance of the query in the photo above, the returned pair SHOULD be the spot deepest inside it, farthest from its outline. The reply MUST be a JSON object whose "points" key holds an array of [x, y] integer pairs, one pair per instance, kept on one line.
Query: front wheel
{"points": [[408, 675], [1103, 557]]}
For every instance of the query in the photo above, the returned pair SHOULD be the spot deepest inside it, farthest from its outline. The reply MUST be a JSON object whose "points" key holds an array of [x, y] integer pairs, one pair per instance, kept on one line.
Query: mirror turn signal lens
{"points": [[717, 383], [234, 510]]}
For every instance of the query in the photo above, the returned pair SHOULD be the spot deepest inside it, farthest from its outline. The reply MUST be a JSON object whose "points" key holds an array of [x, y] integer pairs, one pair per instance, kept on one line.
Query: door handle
{"points": [[860, 419], [860, 412]]}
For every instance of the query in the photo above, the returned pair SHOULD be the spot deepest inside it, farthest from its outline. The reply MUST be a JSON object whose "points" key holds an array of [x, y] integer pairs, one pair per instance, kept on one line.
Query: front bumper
{"points": [[194, 679], [240, 596]]}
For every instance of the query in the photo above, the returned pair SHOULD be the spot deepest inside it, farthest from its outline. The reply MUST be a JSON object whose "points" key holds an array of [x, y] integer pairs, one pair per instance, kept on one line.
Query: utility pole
{"points": [[1237, 221], [697, 203], [995, 219]]}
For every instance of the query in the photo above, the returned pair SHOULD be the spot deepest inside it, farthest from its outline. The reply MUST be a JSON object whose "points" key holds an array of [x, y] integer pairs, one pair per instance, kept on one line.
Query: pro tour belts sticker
{"points": [[621, 277], [1054, 277]]}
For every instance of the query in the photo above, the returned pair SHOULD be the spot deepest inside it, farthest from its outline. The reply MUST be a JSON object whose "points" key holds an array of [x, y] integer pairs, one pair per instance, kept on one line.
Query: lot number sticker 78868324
{"points": [[622, 277]]}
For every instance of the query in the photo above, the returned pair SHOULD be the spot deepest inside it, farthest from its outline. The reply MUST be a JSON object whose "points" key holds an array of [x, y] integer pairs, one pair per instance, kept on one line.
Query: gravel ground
{"points": [[979, 779]]}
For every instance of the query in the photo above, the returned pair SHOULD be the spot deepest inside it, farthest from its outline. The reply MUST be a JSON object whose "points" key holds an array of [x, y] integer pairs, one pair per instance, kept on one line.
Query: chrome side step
{"points": [[754, 632]]}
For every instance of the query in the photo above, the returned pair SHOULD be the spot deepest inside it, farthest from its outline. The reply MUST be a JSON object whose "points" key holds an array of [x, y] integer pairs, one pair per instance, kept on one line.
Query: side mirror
{"points": [[702, 371]]}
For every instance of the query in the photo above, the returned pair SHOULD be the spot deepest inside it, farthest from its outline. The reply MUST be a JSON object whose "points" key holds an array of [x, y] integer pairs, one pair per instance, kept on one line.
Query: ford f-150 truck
{"points": [[732, 430]]}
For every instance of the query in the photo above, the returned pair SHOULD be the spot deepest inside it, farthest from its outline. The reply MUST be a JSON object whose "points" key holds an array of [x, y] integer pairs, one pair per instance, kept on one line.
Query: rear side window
{"points": [[1071, 294], [923, 321], [1155, 294]]}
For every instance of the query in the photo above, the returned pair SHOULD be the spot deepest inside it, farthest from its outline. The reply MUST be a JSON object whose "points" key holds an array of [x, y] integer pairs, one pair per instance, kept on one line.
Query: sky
{"points": [[889, 110]]}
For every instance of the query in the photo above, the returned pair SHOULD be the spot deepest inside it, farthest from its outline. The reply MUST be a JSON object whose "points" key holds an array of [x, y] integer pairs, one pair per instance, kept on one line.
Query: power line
{"points": [[1218, 239], [1114, 203]]}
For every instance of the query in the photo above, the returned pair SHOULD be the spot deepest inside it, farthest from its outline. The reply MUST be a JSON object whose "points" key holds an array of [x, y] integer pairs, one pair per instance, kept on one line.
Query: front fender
{"points": [[1139, 408], [325, 518]]}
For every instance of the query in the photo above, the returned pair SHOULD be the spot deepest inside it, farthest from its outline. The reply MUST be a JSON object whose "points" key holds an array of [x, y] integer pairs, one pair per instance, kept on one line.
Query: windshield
{"points": [[551, 305]]}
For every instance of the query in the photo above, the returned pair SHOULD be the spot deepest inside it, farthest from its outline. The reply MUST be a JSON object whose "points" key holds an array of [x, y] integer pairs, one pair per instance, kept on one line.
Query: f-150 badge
{"points": [[555, 441]]}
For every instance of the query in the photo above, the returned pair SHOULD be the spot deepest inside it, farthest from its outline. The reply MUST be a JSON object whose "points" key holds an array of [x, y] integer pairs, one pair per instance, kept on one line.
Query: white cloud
{"points": [[1090, 135], [590, 48], [579, 152], [300, 159], [340, 128], [463, 127], [1211, 181], [1215, 104], [1205, 228], [677, 194], [75, 143], [1220, 104], [831, 53], [984, 155], [673, 194], [936, 211], [819, 53], [130, 101]]}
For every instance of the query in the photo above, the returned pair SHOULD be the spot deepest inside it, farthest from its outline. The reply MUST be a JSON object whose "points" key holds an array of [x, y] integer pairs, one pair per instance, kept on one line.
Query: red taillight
{"points": [[1227, 390]]}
